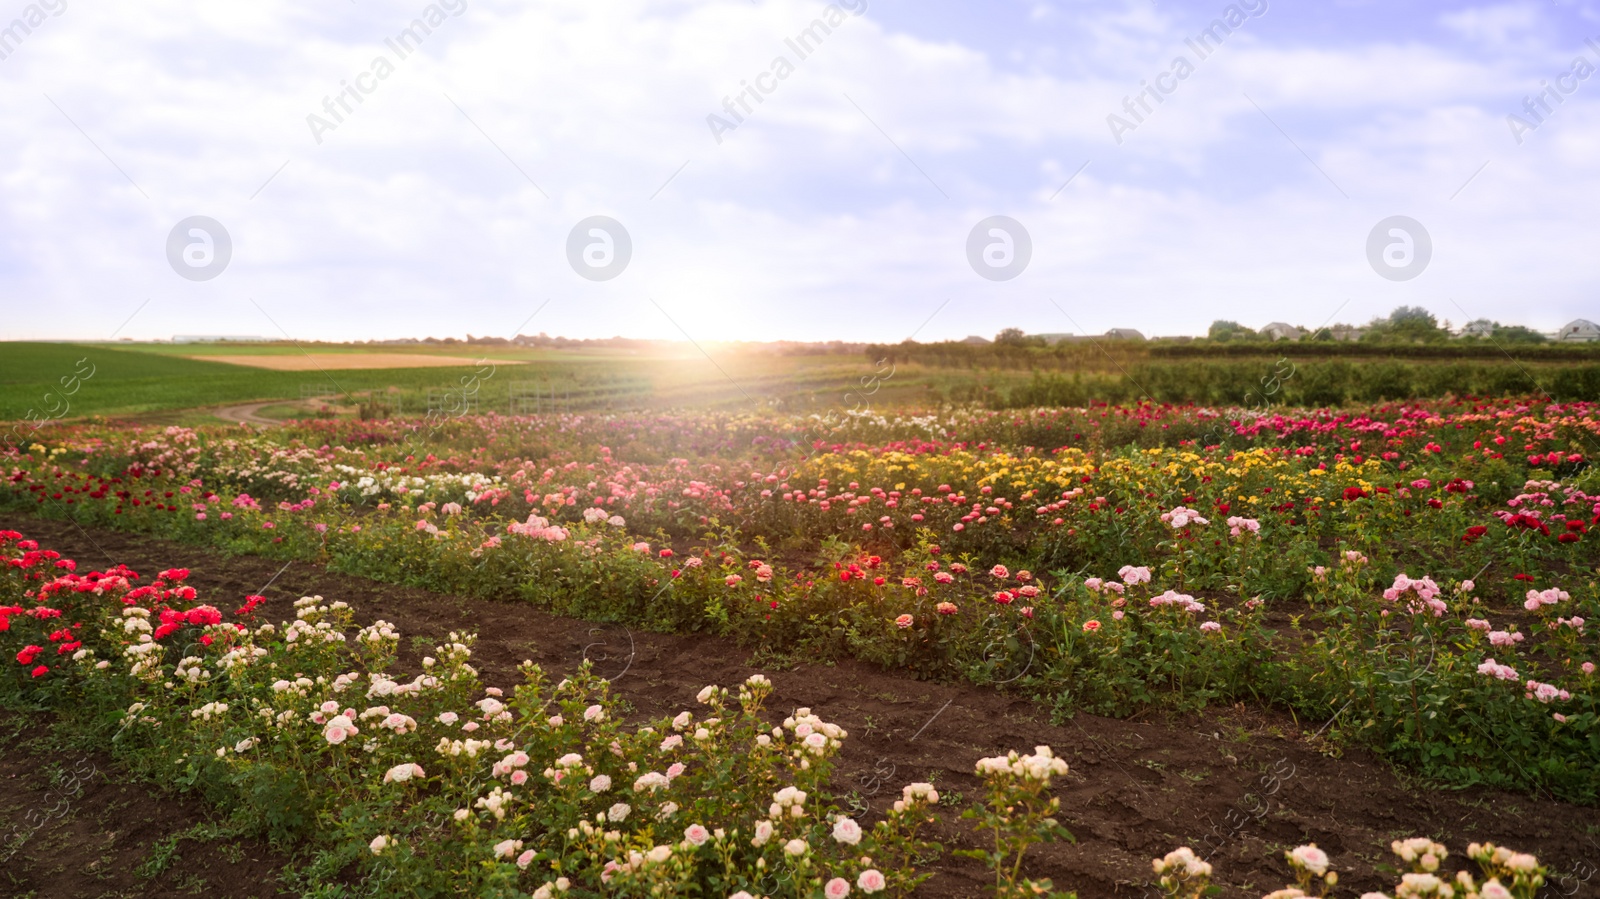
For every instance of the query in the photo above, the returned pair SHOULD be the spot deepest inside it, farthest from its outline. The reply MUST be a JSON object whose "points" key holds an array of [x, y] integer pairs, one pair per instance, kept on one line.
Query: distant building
{"points": [[221, 338], [978, 341], [1578, 331], [1480, 328], [1282, 331], [1124, 334], [1344, 332]]}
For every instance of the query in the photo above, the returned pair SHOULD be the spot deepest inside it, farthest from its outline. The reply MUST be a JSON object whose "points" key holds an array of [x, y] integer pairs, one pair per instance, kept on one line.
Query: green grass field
{"points": [[161, 383], [140, 379], [128, 381]]}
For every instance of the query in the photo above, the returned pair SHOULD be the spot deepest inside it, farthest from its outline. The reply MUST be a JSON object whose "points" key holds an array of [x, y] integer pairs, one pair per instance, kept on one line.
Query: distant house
{"points": [[1344, 332], [978, 341], [1124, 334], [1282, 331], [1578, 330], [1480, 328]]}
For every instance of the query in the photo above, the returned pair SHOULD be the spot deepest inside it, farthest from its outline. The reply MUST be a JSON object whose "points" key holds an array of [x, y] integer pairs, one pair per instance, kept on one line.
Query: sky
{"points": [[875, 170]]}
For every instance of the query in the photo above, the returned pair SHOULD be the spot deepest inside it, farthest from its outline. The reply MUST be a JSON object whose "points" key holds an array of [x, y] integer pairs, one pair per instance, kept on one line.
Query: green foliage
{"points": [[1334, 382], [1405, 325], [421, 788], [1222, 330], [823, 558], [1018, 813]]}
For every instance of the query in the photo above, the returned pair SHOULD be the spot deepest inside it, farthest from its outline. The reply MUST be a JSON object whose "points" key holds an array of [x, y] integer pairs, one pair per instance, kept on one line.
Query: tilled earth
{"points": [[1241, 785]]}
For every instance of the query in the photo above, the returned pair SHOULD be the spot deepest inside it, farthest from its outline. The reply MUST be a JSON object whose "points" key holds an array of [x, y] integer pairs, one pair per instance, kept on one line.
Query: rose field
{"points": [[1116, 650]]}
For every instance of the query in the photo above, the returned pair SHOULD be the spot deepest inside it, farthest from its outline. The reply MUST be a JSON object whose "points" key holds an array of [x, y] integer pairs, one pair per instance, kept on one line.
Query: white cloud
{"points": [[806, 222], [1497, 25]]}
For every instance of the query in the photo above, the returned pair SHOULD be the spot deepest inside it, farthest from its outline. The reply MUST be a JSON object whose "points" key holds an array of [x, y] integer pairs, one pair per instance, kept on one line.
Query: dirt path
{"points": [[72, 824], [246, 413], [1241, 785]]}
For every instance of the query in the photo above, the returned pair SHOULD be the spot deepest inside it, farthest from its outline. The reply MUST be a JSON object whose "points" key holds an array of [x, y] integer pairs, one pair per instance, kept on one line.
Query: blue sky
{"points": [[839, 208]]}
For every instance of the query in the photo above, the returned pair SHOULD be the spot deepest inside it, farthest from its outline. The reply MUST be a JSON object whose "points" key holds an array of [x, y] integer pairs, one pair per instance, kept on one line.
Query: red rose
{"points": [[203, 615]]}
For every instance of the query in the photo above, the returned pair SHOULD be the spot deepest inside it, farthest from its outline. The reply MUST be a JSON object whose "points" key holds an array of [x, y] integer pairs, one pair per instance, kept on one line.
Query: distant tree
{"points": [[1485, 329], [1412, 314], [1416, 323], [1406, 324], [1224, 330], [1517, 334], [1014, 337]]}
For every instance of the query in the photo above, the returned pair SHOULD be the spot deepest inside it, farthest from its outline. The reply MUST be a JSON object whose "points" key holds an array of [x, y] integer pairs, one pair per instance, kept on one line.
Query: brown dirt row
{"points": [[73, 824], [1137, 788]]}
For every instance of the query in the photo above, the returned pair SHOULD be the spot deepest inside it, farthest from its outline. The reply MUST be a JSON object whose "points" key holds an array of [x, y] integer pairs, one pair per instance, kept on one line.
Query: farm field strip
{"points": [[130, 378], [351, 361], [56, 383]]}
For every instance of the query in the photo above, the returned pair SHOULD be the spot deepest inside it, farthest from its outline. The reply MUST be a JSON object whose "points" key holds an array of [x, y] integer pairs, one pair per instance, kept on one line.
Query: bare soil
{"points": [[1239, 784], [72, 823]]}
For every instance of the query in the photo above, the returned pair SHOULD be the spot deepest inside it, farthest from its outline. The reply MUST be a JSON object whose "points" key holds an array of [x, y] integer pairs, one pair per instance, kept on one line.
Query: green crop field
{"points": [[39, 377], [67, 380], [71, 381], [166, 382]]}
